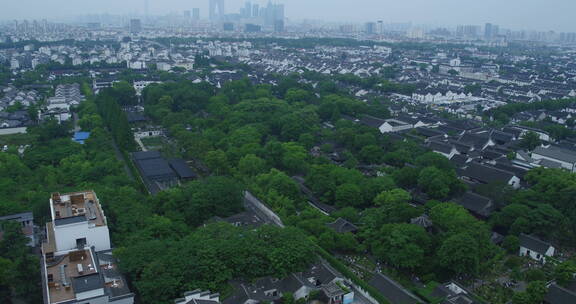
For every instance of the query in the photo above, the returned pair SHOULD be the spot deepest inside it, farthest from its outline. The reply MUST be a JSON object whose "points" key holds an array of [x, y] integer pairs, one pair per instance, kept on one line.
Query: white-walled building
{"points": [[78, 220], [535, 248], [139, 86], [393, 125], [565, 158], [77, 261]]}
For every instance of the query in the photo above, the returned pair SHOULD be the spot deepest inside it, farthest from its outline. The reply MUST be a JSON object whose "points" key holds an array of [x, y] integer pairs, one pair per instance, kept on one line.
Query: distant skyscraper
{"points": [[195, 14], [146, 8], [347, 28], [247, 10], [470, 31], [255, 10], [271, 13], [279, 26], [370, 28], [489, 31], [135, 26], [216, 10], [380, 28], [188, 14]]}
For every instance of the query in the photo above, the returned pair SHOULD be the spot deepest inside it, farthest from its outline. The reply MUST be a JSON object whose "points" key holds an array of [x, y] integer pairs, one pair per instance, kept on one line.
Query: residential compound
{"points": [[11, 97], [77, 262], [66, 97]]}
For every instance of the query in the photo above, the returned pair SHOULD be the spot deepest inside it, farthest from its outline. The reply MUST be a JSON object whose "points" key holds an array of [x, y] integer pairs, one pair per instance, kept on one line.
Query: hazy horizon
{"points": [[515, 14]]}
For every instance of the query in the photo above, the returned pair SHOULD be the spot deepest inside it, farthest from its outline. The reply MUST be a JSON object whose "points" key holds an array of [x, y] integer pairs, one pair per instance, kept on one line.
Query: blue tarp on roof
{"points": [[80, 137]]}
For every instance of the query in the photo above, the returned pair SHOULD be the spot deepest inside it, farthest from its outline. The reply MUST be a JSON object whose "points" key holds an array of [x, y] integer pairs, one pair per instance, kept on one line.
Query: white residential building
{"points": [[77, 262], [393, 125], [565, 158], [535, 248]]}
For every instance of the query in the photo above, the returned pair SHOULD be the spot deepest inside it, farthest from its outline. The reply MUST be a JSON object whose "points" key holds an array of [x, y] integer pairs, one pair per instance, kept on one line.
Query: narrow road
{"points": [[139, 142], [75, 118], [120, 157]]}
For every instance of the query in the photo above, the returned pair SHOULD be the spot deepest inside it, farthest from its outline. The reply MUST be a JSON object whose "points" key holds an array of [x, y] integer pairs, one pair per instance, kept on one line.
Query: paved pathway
{"points": [[141, 144], [120, 157]]}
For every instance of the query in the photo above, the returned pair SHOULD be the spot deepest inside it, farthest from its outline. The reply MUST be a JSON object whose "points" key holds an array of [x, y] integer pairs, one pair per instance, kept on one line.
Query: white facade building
{"points": [[393, 125], [77, 262], [535, 248], [78, 219], [565, 158]]}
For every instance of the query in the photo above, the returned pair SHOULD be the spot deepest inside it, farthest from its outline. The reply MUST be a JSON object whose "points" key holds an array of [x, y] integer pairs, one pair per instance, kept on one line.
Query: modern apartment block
{"points": [[77, 261]]}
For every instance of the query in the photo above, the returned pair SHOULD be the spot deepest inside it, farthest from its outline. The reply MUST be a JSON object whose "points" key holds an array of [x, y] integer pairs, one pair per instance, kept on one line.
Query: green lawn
{"points": [[426, 292], [152, 142]]}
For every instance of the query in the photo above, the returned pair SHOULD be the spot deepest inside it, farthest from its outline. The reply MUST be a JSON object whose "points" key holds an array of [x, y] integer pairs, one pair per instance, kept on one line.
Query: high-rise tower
{"points": [[216, 10]]}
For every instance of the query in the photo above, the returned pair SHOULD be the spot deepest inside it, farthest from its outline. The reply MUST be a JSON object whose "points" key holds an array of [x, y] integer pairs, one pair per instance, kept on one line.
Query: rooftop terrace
{"points": [[66, 272], [76, 207]]}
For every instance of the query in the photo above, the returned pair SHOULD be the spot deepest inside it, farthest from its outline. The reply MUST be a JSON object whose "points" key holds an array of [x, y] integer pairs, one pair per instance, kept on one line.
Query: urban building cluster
{"points": [[492, 103]]}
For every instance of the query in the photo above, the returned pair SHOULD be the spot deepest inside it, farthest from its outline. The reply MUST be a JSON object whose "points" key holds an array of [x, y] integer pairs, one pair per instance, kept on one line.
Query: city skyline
{"points": [[553, 15]]}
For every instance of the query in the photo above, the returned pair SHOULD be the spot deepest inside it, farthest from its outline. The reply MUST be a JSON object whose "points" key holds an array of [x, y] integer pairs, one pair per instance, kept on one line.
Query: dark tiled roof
{"points": [[146, 155], [491, 154], [502, 137], [372, 121], [478, 141], [476, 203], [181, 168], [247, 218], [462, 147], [550, 164], [156, 167], [70, 220], [506, 165], [441, 147], [393, 291], [533, 243], [87, 283], [427, 132], [25, 216], [487, 174], [557, 153], [459, 160], [342, 226], [560, 295]]}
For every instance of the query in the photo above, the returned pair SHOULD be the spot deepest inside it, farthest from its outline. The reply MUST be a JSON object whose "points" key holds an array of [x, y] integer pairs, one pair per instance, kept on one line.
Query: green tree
{"points": [[13, 243], [217, 161], [434, 182], [530, 141], [90, 122], [348, 195], [402, 245], [453, 72], [372, 154], [294, 157], [393, 197], [459, 254], [125, 93], [537, 291], [251, 165], [6, 280], [511, 243], [564, 273]]}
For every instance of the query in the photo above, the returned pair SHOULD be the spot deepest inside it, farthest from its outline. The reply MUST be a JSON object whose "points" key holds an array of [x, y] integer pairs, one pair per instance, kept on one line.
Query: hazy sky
{"points": [[517, 14]]}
